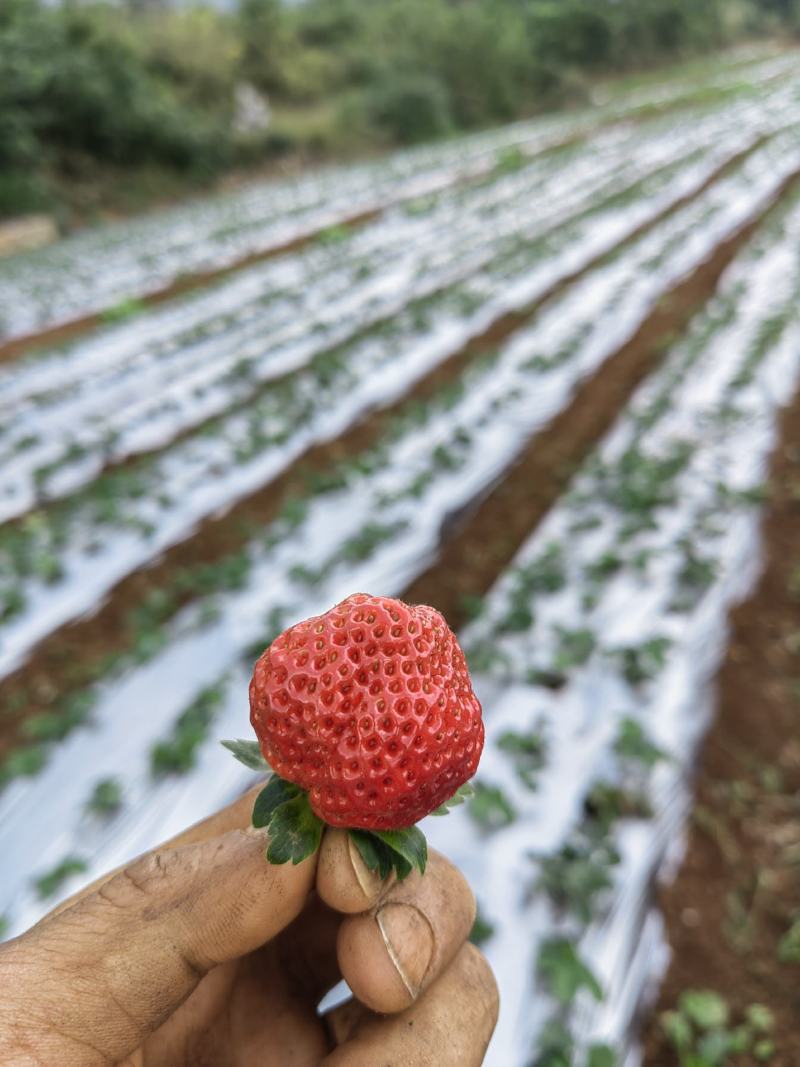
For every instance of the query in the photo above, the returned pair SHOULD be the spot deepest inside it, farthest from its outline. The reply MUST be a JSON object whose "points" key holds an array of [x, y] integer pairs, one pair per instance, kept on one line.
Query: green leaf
{"points": [[760, 1017], [392, 850], [376, 855], [294, 831], [706, 1009], [409, 843], [564, 971], [678, 1030], [464, 793], [714, 1047], [482, 930], [248, 753], [276, 792], [789, 947], [491, 808], [601, 1056]]}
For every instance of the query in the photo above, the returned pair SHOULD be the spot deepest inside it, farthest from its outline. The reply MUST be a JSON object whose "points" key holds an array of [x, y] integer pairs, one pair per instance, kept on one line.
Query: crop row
{"points": [[134, 388], [60, 561], [94, 390], [106, 268], [443, 453], [595, 653]]}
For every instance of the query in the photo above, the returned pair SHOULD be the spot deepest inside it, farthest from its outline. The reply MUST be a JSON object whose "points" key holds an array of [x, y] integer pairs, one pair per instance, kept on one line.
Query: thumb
{"points": [[103, 974]]}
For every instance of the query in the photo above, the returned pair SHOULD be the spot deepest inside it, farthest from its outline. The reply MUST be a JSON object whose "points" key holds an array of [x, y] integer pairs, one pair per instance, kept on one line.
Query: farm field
{"points": [[533, 377]]}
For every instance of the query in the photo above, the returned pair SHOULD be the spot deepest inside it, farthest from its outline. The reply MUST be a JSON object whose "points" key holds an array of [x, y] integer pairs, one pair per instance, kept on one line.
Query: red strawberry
{"points": [[369, 708]]}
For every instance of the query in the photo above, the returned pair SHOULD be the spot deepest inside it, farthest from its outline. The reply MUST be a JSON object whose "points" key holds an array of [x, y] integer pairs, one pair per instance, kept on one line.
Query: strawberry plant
{"points": [[579, 873], [527, 751], [563, 971], [703, 1034], [490, 807], [482, 930], [633, 745], [48, 884], [105, 798]]}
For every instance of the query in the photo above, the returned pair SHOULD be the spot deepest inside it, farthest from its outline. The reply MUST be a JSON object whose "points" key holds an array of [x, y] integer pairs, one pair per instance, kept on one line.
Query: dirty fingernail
{"points": [[409, 940], [369, 881]]}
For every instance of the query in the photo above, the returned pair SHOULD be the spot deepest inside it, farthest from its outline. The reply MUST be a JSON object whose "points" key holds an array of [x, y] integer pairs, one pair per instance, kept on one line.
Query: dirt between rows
{"points": [[68, 331], [738, 889], [511, 321], [479, 546], [484, 539], [187, 283]]}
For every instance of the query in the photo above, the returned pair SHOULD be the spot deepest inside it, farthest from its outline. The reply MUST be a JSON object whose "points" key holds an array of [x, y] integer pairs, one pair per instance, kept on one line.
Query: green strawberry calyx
{"points": [[295, 831]]}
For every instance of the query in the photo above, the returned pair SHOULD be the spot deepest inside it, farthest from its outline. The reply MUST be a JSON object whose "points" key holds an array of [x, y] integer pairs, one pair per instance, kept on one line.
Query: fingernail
{"points": [[409, 940], [369, 881]]}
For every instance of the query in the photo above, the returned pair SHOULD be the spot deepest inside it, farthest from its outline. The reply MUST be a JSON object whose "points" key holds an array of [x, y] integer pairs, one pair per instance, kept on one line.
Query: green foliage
{"points": [[464, 793], [633, 745], [528, 752], [574, 647], [579, 873], [703, 1034], [91, 83], [125, 309], [49, 884], [177, 753], [248, 753], [407, 108], [23, 762], [490, 807], [106, 797], [641, 663], [789, 946], [606, 803], [77, 82], [563, 971], [482, 930]]}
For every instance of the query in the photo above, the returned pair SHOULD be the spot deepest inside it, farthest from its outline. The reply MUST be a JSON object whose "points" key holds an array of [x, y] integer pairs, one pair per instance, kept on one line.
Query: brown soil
{"points": [[739, 887], [72, 655], [496, 332], [187, 283], [481, 542], [67, 331]]}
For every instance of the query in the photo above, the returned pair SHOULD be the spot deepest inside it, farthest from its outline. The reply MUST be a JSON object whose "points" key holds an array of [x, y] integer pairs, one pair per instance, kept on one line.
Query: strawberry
{"points": [[367, 716]]}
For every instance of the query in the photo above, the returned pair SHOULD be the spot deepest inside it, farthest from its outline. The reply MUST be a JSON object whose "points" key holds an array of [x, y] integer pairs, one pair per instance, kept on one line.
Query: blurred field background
{"points": [[110, 106], [488, 305]]}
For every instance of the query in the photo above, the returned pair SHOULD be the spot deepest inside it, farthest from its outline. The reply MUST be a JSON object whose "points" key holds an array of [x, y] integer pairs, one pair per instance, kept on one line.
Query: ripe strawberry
{"points": [[369, 708]]}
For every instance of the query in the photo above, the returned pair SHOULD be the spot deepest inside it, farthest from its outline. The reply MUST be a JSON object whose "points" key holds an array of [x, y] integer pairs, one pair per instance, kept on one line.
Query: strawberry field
{"points": [[531, 377]]}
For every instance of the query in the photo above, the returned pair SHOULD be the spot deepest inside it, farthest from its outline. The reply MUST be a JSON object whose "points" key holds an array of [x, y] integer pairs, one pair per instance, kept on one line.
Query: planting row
{"points": [[595, 653], [62, 560], [106, 268], [374, 526], [135, 387]]}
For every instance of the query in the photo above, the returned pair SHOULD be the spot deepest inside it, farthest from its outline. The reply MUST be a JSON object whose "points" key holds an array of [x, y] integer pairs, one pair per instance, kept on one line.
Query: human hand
{"points": [[203, 954]]}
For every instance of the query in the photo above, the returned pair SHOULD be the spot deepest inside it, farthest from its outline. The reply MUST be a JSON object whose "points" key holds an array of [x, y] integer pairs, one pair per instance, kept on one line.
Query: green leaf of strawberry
{"points": [[378, 856], [295, 831], [276, 792], [464, 793], [248, 753], [397, 850], [409, 843]]}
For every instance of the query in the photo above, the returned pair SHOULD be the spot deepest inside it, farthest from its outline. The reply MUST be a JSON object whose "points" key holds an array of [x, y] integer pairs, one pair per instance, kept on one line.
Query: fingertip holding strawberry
{"points": [[367, 718]]}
